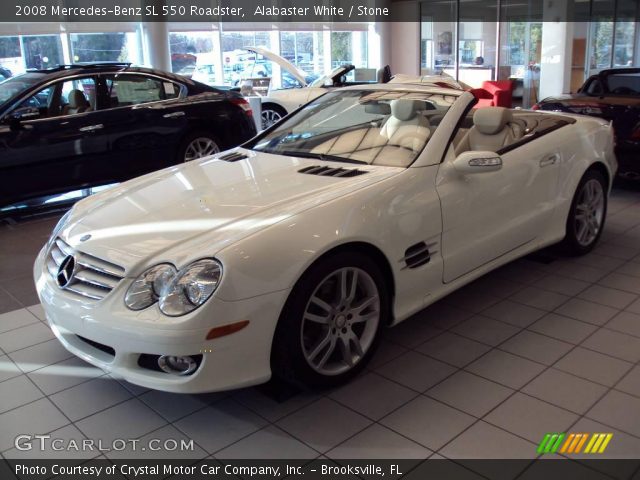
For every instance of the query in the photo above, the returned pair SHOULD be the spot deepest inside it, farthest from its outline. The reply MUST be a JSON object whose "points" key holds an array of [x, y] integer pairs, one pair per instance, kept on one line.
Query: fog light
{"points": [[177, 365]]}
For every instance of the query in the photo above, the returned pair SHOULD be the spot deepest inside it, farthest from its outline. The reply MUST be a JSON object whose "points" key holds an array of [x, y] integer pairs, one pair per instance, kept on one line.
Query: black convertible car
{"points": [[614, 95], [78, 126]]}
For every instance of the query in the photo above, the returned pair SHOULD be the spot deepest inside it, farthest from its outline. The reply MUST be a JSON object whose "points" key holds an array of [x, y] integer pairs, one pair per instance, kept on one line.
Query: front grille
{"points": [[92, 278]]}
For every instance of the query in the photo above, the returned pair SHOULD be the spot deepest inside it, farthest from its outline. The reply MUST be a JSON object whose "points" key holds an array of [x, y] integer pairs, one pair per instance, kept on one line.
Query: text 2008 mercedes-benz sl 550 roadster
{"points": [[288, 255]]}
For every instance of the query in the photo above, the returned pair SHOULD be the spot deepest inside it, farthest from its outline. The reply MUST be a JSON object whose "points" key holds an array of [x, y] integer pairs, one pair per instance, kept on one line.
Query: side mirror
{"points": [[477, 162]]}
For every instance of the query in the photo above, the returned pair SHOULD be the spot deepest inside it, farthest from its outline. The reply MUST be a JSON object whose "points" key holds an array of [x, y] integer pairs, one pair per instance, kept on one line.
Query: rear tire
{"points": [[587, 214], [197, 145], [330, 325]]}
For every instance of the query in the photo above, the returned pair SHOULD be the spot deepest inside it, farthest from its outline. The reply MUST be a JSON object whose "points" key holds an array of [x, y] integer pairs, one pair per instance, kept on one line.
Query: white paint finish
{"points": [[267, 223]]}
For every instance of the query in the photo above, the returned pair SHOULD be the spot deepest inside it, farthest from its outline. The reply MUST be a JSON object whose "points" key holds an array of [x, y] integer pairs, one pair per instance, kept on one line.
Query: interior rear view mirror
{"points": [[477, 162], [376, 108]]}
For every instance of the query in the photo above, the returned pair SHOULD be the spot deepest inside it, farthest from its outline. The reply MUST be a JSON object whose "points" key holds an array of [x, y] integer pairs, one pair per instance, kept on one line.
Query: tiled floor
{"points": [[541, 345]]}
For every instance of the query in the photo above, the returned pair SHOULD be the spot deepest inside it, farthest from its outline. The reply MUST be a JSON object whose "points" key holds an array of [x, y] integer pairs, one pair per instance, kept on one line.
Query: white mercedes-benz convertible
{"points": [[288, 255]]}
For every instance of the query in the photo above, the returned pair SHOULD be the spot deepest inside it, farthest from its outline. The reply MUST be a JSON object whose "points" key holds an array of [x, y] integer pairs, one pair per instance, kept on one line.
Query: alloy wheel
{"points": [[200, 147], [340, 321], [589, 212], [269, 117]]}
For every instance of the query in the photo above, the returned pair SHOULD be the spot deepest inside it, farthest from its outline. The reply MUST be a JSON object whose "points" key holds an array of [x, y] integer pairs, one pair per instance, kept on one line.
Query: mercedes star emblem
{"points": [[66, 270]]}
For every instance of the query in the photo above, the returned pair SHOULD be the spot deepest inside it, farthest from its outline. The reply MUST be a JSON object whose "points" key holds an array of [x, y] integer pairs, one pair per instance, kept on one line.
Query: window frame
{"points": [[57, 84], [183, 90]]}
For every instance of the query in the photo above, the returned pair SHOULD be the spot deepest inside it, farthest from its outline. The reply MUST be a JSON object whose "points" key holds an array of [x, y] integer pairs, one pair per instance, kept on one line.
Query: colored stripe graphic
{"points": [[572, 443], [550, 442]]}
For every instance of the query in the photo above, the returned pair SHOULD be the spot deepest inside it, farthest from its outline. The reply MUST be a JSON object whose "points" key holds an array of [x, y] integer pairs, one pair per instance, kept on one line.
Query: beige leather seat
{"points": [[406, 127], [493, 128], [397, 142], [77, 103]]}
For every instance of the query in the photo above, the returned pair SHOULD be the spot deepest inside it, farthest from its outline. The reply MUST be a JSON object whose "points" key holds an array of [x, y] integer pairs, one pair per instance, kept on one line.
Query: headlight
{"points": [[191, 287], [150, 286], [61, 224]]}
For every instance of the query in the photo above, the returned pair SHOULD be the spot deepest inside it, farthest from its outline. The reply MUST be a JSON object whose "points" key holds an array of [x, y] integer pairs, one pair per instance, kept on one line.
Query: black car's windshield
{"points": [[375, 127], [624, 83], [14, 86]]}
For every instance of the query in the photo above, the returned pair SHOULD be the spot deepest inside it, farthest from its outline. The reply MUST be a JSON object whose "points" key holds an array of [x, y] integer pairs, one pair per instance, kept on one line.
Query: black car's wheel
{"points": [[198, 145], [587, 214], [271, 114], [330, 325]]}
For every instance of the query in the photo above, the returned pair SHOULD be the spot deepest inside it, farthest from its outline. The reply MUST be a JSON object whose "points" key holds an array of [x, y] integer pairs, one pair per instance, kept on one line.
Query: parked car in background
{"points": [[79, 126], [613, 95], [287, 256], [283, 97]]}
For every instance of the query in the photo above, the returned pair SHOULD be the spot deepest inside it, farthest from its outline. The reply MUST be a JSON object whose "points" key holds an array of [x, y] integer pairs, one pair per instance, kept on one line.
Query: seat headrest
{"points": [[491, 120], [77, 99], [404, 109]]}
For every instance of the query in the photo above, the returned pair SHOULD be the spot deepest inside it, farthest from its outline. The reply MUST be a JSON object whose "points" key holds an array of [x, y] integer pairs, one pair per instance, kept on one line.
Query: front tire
{"points": [[197, 145], [587, 214], [329, 327]]}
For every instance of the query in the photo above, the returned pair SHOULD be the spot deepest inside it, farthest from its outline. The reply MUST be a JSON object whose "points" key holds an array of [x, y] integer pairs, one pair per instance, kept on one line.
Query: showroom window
{"points": [[98, 47], [193, 55], [19, 53], [610, 39], [42, 51], [304, 49]]}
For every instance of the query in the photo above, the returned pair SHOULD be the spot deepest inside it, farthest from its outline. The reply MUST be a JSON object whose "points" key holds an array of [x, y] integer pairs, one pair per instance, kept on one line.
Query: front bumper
{"points": [[237, 360]]}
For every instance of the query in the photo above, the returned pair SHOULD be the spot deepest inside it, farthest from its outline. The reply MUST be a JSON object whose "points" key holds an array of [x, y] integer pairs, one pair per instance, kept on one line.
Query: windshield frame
{"points": [[250, 145]]}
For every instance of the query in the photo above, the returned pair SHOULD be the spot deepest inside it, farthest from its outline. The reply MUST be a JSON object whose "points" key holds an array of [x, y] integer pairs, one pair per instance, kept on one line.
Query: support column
{"points": [[326, 47], [66, 49], [557, 46], [155, 39], [383, 29]]}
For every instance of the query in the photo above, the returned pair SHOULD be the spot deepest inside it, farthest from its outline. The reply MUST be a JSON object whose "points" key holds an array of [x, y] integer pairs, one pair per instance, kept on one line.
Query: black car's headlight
{"points": [[177, 292]]}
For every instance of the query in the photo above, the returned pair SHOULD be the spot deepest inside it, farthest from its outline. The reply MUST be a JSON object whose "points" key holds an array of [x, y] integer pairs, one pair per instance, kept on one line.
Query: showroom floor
{"points": [[544, 344]]}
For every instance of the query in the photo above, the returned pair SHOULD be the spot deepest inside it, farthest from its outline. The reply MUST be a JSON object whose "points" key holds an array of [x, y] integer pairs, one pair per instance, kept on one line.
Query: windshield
{"points": [[14, 86], [624, 83], [375, 127]]}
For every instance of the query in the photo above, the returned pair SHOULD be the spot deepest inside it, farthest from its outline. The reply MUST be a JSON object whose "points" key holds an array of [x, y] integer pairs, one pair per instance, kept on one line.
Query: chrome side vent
{"points": [[233, 157], [417, 255], [331, 171], [84, 275]]}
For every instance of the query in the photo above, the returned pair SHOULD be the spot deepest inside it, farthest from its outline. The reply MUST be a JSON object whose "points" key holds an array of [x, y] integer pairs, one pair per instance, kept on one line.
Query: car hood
{"points": [[198, 208], [283, 62]]}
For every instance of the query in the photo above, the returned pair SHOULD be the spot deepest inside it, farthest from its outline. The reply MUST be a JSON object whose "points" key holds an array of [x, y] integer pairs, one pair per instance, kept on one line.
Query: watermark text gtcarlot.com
{"points": [[47, 443]]}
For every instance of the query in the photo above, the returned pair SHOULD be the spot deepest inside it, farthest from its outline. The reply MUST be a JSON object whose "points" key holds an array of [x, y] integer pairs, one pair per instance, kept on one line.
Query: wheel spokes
{"points": [[340, 321], [322, 304]]}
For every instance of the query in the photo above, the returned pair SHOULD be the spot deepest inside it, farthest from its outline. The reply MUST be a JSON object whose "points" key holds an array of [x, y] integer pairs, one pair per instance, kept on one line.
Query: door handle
{"points": [[550, 160], [173, 115], [91, 128]]}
